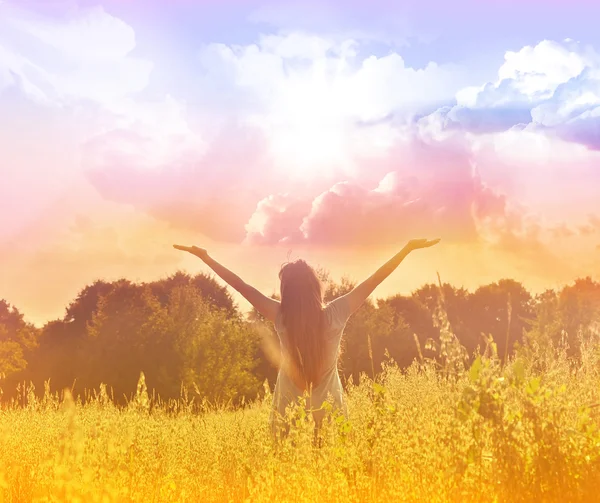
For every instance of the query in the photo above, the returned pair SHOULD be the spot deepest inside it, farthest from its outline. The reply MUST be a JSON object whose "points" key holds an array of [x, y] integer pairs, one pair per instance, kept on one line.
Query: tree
{"points": [[503, 310], [18, 339], [411, 319], [208, 287], [183, 340], [334, 290], [456, 304], [365, 340], [59, 357], [201, 347], [579, 310], [116, 339], [111, 332], [81, 310], [186, 330]]}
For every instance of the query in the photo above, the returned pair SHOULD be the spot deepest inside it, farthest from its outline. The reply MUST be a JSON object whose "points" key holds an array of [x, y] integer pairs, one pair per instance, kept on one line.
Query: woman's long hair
{"points": [[303, 319]]}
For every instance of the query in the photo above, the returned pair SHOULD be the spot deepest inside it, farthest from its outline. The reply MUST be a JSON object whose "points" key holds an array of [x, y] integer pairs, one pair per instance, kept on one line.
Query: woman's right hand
{"points": [[415, 244]]}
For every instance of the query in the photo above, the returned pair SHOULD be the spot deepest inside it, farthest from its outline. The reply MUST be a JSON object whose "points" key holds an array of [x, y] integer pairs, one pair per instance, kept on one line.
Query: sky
{"points": [[269, 131]]}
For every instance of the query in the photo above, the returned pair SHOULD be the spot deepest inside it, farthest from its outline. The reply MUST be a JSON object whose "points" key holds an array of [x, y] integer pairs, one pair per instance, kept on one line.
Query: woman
{"points": [[309, 331]]}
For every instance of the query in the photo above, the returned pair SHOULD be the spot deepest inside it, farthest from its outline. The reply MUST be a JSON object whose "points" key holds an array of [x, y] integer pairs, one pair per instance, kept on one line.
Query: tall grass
{"points": [[442, 430]]}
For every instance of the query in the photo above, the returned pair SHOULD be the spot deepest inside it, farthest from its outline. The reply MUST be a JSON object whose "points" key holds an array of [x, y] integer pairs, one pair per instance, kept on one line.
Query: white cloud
{"points": [[530, 147], [84, 67], [551, 87], [72, 82], [537, 71], [57, 61], [366, 89], [312, 95], [148, 136]]}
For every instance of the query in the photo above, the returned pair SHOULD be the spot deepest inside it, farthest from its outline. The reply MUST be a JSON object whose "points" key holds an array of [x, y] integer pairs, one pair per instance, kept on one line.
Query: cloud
{"points": [[297, 138], [299, 101], [562, 231], [550, 87], [277, 219], [75, 79], [592, 227], [68, 74], [55, 60], [434, 190], [312, 94], [44, 268], [320, 157], [211, 192]]}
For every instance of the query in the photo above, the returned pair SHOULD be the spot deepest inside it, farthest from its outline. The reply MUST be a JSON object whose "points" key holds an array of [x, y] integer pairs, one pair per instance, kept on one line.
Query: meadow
{"points": [[439, 431]]}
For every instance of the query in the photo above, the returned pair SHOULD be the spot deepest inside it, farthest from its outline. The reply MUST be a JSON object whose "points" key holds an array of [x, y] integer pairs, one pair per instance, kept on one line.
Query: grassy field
{"points": [[527, 431]]}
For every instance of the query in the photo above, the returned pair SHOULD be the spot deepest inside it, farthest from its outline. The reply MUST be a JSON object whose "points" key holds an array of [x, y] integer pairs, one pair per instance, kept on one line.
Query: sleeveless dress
{"points": [[336, 313]]}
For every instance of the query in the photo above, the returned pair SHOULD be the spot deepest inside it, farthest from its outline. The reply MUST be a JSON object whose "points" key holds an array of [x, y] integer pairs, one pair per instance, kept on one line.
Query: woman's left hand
{"points": [[194, 250]]}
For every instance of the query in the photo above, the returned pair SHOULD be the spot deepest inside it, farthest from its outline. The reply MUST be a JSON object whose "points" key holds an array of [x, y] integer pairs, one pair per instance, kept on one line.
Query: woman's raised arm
{"points": [[359, 294], [264, 305]]}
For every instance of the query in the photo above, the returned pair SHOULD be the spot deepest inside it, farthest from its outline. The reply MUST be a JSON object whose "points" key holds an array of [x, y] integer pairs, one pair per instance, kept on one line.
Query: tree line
{"points": [[185, 332]]}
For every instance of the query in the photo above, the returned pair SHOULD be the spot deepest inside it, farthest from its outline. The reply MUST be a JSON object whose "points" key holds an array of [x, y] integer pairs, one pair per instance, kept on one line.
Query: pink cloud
{"points": [[591, 227], [277, 219], [562, 231], [585, 230], [433, 191], [234, 193], [213, 193]]}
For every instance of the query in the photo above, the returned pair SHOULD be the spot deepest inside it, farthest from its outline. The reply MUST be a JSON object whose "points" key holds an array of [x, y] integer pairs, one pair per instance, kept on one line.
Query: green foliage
{"points": [[11, 358], [179, 331], [358, 354], [114, 330], [567, 317], [535, 433], [18, 339]]}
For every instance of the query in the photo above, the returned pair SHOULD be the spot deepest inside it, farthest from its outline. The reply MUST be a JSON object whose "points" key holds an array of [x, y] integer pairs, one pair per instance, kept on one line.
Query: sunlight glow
{"points": [[307, 126]]}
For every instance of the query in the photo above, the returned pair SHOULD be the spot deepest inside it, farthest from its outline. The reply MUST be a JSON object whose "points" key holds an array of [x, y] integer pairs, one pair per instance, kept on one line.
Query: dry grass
{"points": [[529, 431]]}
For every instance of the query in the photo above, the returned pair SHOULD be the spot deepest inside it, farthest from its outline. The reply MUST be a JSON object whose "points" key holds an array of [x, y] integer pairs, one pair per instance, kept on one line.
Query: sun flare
{"points": [[308, 128]]}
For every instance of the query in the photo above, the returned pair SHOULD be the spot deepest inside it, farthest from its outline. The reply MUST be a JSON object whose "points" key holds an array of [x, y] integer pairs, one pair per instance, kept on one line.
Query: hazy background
{"points": [[334, 131]]}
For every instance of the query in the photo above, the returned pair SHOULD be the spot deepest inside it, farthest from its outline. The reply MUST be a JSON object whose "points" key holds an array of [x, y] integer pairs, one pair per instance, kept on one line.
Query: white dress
{"points": [[337, 313]]}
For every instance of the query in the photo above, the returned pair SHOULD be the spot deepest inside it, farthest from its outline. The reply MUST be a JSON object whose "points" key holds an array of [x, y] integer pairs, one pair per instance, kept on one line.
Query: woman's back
{"points": [[336, 314]]}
